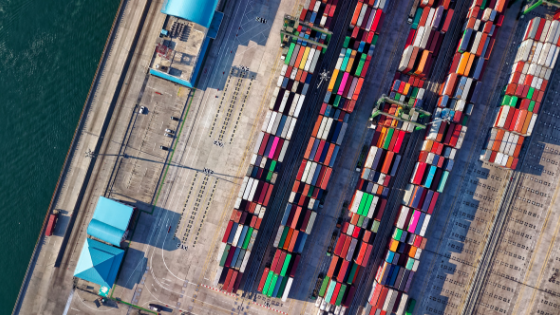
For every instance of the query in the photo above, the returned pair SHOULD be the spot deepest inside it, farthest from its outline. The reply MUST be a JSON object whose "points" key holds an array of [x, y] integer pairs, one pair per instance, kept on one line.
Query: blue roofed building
{"points": [[110, 221], [99, 263], [184, 39]]}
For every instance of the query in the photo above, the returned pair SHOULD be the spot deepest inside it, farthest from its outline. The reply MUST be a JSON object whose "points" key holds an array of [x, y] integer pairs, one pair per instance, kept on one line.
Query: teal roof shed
{"points": [[200, 12], [110, 221], [99, 263]]}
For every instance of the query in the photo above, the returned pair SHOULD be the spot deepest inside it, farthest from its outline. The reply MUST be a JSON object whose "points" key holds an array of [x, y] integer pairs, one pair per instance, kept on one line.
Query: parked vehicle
{"points": [[53, 219]]}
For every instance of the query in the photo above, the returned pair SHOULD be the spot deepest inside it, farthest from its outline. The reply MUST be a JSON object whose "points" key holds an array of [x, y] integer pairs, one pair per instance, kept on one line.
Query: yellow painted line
{"points": [[535, 290]]}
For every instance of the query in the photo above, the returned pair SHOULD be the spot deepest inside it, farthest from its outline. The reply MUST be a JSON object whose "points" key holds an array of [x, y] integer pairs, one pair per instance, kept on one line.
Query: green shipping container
{"points": [[286, 264], [411, 101], [272, 285], [284, 235], [530, 93], [337, 82], [398, 97], [442, 182], [415, 92], [337, 100], [330, 290], [397, 234], [417, 18], [310, 192], [352, 273], [290, 52], [506, 99], [269, 176], [346, 42], [224, 255], [324, 286], [531, 106], [282, 287], [411, 304], [340, 294], [247, 238], [346, 58], [362, 203], [267, 283], [374, 41], [388, 138], [368, 204], [272, 165], [465, 120], [375, 226], [409, 263], [484, 4], [361, 220], [513, 101], [361, 65]]}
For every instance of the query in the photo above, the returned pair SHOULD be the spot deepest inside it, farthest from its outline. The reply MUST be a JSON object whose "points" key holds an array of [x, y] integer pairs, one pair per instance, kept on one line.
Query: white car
{"points": [[142, 110]]}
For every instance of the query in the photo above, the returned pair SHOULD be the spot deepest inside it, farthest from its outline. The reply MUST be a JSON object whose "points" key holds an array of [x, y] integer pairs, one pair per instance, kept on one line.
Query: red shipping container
{"points": [[228, 230], [263, 280], [433, 203], [342, 271], [367, 255], [340, 242], [228, 279], [448, 17]]}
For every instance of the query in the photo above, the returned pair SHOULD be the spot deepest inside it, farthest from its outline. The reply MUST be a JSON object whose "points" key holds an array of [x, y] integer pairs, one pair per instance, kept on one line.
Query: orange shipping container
{"points": [[527, 122], [309, 148], [509, 161], [426, 55], [469, 65], [356, 13], [499, 137], [463, 63], [332, 267], [518, 127]]}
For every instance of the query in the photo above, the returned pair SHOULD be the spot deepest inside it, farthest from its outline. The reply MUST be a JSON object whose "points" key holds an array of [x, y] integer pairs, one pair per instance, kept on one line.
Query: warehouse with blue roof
{"points": [[184, 39], [100, 262]]}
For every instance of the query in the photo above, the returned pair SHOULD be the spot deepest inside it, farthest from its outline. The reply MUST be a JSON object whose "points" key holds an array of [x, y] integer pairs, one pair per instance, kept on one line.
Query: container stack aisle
{"points": [[443, 139], [518, 111], [268, 154], [354, 246], [321, 153]]}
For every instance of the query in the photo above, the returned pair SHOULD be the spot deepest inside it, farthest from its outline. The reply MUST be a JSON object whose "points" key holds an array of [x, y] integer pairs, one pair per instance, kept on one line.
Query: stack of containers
{"points": [[443, 139], [518, 110], [319, 13], [430, 23], [322, 150], [268, 154]]}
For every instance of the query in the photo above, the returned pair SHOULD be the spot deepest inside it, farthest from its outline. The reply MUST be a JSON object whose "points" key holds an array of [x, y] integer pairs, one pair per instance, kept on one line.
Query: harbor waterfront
{"points": [[49, 53]]}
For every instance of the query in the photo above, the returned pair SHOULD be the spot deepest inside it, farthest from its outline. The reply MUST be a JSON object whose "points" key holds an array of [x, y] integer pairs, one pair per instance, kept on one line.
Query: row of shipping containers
{"points": [[321, 153], [429, 25], [521, 99], [319, 13], [270, 150], [443, 139]]}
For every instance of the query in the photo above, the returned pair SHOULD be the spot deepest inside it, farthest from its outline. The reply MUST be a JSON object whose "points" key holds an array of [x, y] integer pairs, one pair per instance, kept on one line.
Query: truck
{"points": [[51, 224]]}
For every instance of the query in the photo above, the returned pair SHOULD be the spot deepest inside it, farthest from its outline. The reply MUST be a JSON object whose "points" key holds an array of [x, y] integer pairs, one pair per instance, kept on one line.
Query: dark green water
{"points": [[49, 51]]}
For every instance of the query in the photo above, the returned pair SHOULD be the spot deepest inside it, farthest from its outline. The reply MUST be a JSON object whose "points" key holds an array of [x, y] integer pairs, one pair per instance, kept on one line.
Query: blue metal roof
{"points": [[110, 221], [99, 263], [197, 11]]}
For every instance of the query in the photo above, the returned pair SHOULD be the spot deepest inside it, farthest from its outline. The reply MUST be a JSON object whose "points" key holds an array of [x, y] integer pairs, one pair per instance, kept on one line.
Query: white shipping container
{"points": [[388, 299], [407, 53], [311, 173], [502, 117], [237, 203], [237, 234], [544, 54], [290, 281], [280, 80], [309, 59], [292, 196], [407, 193], [306, 171], [402, 217], [476, 42], [370, 157], [253, 190], [284, 133], [425, 225], [322, 126], [532, 125], [415, 266], [340, 60], [248, 188], [350, 229], [278, 236], [370, 19], [357, 200], [221, 251], [245, 261], [402, 304], [419, 35], [263, 162], [277, 120], [425, 37], [299, 105], [362, 15], [372, 207], [311, 222], [243, 186]]}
